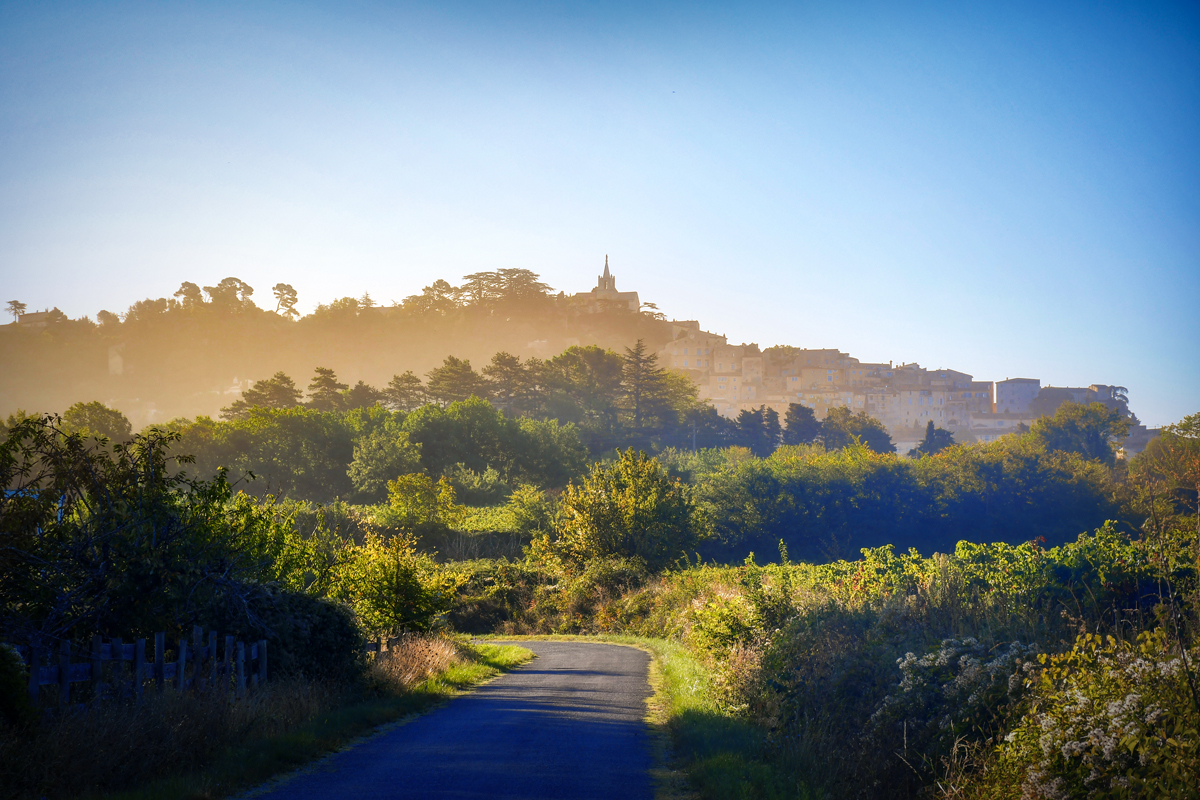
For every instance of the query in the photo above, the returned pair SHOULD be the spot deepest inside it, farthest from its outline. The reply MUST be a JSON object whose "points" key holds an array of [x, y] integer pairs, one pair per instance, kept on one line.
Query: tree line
{"points": [[178, 355]]}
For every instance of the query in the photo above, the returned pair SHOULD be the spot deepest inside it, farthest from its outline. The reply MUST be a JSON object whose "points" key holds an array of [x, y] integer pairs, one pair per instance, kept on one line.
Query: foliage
{"points": [[392, 587], [296, 452], [418, 504], [1091, 430], [1107, 718], [16, 710], [478, 489], [112, 540], [841, 427], [98, 420], [380, 455], [759, 430], [631, 509], [454, 381], [825, 503], [800, 425], [530, 510], [404, 392], [936, 440], [325, 391], [279, 391]]}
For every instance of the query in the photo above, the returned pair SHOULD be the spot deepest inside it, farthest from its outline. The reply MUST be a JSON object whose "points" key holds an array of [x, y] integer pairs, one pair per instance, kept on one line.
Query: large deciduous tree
{"points": [[382, 455], [1173, 459], [1091, 430], [97, 419], [841, 426]]}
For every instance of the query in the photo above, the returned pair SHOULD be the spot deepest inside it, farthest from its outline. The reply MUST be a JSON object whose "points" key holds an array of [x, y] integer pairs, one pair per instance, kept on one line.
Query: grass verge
{"points": [[247, 765], [700, 750]]}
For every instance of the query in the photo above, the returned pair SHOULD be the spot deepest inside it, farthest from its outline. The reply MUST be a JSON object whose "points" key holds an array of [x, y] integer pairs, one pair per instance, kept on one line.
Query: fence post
{"points": [[139, 668], [212, 654], [241, 668], [97, 667], [160, 659], [181, 667], [35, 674], [228, 676], [64, 672], [118, 670], [262, 660], [198, 646]]}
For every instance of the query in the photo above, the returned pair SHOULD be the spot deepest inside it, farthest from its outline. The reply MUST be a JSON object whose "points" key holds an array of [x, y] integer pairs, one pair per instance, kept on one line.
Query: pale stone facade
{"points": [[905, 397]]}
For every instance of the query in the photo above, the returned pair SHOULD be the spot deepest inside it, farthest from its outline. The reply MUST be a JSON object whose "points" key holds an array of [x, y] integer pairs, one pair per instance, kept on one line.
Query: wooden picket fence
{"points": [[115, 670]]}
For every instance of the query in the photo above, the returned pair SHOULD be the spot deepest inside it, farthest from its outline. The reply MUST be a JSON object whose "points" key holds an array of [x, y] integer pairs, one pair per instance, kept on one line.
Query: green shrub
{"points": [[477, 488], [393, 588], [15, 706], [631, 509], [313, 637], [1108, 718]]}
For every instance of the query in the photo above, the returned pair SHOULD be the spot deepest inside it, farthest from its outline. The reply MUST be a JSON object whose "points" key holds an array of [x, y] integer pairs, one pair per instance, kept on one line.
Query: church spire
{"points": [[606, 275]]}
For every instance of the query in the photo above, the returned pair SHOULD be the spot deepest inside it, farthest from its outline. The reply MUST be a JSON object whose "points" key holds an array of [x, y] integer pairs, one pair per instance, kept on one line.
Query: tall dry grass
{"points": [[117, 746], [411, 659]]}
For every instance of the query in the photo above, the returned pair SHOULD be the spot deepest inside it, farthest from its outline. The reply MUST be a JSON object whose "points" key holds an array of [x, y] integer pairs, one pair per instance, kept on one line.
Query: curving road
{"points": [[566, 725]]}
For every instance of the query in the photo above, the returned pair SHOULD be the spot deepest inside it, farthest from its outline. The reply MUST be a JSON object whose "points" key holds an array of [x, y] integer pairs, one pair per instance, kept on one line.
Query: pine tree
{"points": [[325, 392]]}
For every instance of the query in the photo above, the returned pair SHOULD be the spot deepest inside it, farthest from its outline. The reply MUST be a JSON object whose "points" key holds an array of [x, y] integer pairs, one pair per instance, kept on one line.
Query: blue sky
{"points": [[1004, 189]]}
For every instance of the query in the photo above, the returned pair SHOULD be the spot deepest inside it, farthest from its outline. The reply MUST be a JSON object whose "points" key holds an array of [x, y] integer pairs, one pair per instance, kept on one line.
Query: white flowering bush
{"points": [[1108, 719], [961, 691]]}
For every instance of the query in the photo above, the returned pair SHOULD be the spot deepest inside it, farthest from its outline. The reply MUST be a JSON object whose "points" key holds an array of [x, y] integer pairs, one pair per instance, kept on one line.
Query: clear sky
{"points": [[1010, 190]]}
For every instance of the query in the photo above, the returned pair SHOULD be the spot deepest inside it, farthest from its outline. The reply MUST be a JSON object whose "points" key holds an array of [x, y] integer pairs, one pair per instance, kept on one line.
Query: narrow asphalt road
{"points": [[566, 725]]}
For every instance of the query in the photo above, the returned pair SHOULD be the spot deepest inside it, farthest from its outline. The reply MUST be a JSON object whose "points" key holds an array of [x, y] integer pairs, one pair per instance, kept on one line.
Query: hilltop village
{"points": [[187, 356], [904, 397]]}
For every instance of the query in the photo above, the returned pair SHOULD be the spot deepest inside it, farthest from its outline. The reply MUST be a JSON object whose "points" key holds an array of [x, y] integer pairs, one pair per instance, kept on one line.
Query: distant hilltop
{"points": [[189, 354]]}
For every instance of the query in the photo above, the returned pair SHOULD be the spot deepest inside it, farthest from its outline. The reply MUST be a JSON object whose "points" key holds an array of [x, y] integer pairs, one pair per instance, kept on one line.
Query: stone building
{"points": [[605, 294], [1014, 395]]}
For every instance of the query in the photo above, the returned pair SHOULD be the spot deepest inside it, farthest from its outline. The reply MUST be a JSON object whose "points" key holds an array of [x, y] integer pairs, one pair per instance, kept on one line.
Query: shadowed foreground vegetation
{"points": [[1043, 664], [213, 746]]}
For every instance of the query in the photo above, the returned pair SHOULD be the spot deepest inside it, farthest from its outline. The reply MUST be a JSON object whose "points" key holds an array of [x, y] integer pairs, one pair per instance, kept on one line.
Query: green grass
{"points": [[700, 749], [248, 765]]}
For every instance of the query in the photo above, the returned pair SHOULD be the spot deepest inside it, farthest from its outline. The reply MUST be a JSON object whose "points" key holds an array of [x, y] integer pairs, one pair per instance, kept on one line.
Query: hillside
{"points": [[193, 353]]}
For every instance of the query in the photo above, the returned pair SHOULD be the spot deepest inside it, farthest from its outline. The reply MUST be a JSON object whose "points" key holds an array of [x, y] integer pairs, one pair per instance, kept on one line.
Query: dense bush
{"points": [[110, 539], [313, 637], [1108, 718], [829, 504], [630, 509]]}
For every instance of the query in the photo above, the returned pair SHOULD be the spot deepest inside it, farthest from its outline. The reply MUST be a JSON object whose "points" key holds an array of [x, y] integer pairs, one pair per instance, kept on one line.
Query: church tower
{"points": [[606, 282], [606, 293]]}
